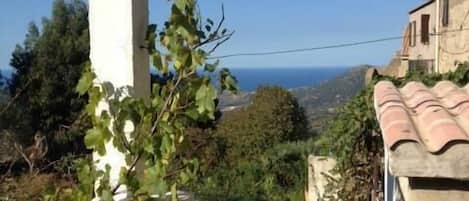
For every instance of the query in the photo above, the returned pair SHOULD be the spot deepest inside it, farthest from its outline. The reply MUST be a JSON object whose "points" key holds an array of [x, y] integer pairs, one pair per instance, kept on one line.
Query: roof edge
{"points": [[421, 6]]}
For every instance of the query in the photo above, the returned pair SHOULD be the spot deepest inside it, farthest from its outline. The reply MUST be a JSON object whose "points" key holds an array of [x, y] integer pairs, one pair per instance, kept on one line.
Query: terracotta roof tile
{"points": [[432, 117]]}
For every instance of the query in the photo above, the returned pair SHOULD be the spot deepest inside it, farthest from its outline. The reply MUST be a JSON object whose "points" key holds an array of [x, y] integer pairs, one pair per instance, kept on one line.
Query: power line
{"points": [[308, 49], [341, 45]]}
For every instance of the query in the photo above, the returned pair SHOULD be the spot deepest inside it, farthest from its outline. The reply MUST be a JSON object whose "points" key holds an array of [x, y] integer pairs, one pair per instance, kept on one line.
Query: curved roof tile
{"points": [[432, 117]]}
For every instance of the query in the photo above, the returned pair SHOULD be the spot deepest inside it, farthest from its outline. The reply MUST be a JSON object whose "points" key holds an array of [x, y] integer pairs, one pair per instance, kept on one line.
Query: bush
{"points": [[273, 117], [259, 156], [279, 173]]}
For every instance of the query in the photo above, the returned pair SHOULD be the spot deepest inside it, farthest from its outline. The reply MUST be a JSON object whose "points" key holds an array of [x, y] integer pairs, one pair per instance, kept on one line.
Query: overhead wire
{"points": [[333, 46]]}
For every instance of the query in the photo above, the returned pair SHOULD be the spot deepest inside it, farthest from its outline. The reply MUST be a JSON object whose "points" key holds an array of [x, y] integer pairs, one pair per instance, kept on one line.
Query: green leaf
{"points": [[152, 28], [181, 4], [106, 195], [96, 139], [192, 113], [165, 144], [205, 99], [228, 81], [148, 146], [210, 21], [208, 28], [198, 58], [183, 58], [154, 184], [157, 61], [85, 82], [184, 177], [211, 67]]}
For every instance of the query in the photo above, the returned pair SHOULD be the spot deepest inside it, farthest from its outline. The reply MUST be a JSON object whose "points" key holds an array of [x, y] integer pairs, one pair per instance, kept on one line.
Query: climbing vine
{"points": [[354, 139], [149, 132]]}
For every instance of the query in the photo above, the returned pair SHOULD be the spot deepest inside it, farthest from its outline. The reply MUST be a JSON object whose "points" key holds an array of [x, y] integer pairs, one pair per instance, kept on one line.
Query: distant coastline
{"points": [[288, 77]]}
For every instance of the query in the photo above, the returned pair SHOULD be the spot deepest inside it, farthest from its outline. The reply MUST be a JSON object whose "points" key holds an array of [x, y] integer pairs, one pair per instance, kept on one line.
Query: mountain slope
{"points": [[318, 101]]}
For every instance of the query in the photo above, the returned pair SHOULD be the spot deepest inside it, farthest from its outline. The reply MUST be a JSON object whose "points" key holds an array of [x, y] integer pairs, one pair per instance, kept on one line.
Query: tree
{"points": [[48, 65], [273, 117], [181, 97], [260, 149]]}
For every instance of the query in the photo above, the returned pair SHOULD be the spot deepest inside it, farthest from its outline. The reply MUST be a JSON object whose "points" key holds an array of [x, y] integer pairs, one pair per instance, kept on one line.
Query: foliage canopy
{"points": [[261, 151], [181, 96], [47, 67], [273, 117]]}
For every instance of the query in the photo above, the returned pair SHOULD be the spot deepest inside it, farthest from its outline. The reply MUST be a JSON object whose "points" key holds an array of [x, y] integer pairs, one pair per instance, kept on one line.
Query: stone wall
{"points": [[318, 168]]}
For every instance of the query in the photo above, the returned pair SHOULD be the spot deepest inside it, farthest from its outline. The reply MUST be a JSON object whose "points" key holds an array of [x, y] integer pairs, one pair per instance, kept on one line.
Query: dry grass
{"points": [[30, 187]]}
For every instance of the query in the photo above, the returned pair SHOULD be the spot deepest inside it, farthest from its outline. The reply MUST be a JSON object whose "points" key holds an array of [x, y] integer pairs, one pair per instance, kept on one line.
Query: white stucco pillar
{"points": [[117, 34]]}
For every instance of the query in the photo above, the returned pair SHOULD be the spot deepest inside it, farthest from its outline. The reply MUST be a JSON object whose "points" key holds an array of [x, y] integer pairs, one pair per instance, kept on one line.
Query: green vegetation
{"points": [[42, 102], [353, 137], [262, 151], [277, 174], [255, 153], [319, 102], [182, 98], [48, 65], [273, 117]]}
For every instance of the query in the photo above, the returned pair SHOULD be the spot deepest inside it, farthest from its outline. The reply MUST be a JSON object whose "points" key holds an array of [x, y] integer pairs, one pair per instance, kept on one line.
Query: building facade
{"points": [[454, 39], [421, 47], [437, 36]]}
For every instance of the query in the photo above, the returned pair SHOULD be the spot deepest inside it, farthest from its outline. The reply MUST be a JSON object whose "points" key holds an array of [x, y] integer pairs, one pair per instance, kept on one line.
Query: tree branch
{"points": [[17, 95], [214, 37], [127, 174], [19, 149], [226, 38]]}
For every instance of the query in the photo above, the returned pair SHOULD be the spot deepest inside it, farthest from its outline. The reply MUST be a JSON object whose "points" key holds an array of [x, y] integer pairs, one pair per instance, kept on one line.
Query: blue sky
{"points": [[265, 25]]}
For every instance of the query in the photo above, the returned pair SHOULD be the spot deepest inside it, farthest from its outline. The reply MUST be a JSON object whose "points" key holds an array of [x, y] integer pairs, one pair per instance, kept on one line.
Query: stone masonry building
{"points": [[435, 40]]}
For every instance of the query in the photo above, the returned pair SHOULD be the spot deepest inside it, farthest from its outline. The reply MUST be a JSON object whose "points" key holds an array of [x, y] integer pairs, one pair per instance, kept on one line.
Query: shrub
{"points": [[277, 174], [273, 117]]}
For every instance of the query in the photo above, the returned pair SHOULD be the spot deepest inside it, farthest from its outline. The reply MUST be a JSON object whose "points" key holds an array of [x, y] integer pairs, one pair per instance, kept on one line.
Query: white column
{"points": [[117, 34]]}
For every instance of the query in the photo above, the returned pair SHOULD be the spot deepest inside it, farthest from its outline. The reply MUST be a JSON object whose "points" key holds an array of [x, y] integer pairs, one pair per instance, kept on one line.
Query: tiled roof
{"points": [[433, 117]]}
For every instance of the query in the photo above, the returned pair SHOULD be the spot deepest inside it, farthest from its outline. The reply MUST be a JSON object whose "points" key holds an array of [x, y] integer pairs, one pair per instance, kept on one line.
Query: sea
{"points": [[288, 77]]}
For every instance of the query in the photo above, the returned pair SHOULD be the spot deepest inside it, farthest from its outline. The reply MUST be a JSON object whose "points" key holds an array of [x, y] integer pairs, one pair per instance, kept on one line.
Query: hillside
{"points": [[318, 101]]}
